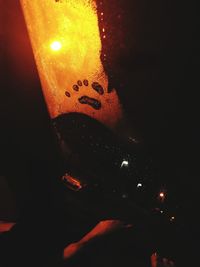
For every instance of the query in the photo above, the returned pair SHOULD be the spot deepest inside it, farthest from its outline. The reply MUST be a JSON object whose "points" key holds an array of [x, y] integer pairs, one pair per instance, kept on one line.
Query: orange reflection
{"points": [[101, 229], [6, 226], [72, 183], [70, 29]]}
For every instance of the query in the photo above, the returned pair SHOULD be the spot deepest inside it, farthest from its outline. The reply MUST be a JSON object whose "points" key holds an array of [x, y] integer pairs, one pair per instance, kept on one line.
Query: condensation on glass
{"points": [[66, 43], [84, 51]]}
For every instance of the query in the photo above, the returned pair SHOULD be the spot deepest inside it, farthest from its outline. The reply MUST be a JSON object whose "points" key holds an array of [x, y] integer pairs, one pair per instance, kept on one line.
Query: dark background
{"points": [[25, 127], [166, 115]]}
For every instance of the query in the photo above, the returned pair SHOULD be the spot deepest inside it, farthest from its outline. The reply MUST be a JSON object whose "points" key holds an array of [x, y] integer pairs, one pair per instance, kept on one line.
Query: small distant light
{"points": [[172, 218], [124, 163], [161, 211], [139, 185], [56, 46], [162, 195], [132, 139]]}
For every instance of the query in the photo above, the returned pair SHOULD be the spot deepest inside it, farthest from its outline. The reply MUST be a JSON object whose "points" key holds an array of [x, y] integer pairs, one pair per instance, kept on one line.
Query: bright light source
{"points": [[56, 46], [161, 211], [124, 163], [66, 40], [162, 194], [139, 185]]}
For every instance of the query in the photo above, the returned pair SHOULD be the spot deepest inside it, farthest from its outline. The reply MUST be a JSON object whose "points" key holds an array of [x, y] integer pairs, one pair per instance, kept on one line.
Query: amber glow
{"points": [[101, 229], [66, 44], [162, 194], [6, 226], [72, 182], [56, 46], [154, 259]]}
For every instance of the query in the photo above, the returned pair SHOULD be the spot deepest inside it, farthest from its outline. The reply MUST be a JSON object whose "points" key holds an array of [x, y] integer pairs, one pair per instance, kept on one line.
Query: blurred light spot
{"points": [[133, 139], [139, 185], [162, 195], [172, 218], [6, 226], [72, 182], [124, 163], [56, 46]]}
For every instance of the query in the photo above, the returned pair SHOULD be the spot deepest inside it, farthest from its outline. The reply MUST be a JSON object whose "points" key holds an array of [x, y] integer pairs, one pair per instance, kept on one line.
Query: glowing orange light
{"points": [[162, 195], [6, 226], [101, 229], [72, 182], [66, 43], [56, 46]]}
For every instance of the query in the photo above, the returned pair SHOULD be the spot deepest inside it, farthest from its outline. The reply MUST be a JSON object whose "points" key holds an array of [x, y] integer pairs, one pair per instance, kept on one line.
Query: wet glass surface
{"points": [[92, 65]]}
